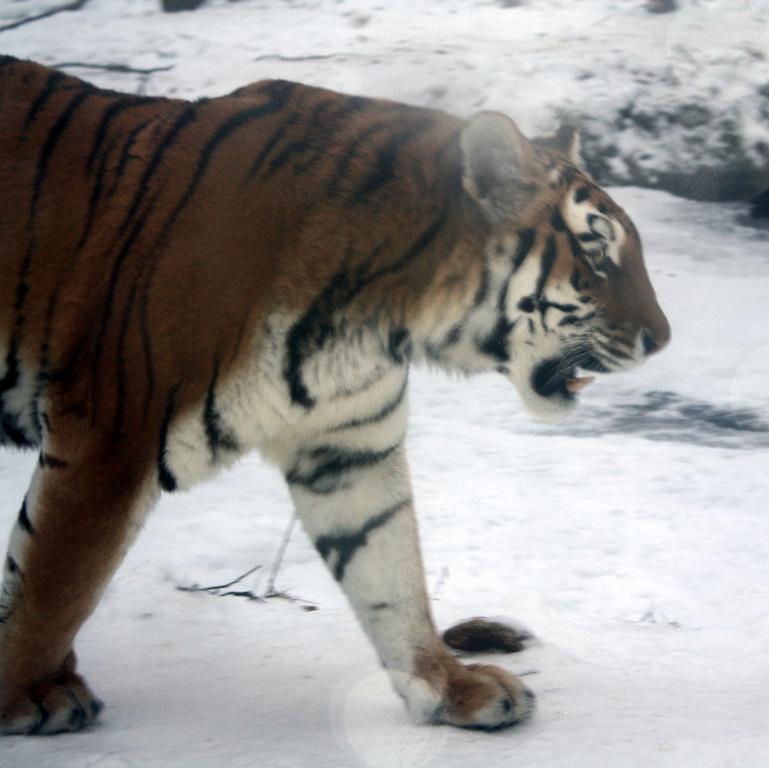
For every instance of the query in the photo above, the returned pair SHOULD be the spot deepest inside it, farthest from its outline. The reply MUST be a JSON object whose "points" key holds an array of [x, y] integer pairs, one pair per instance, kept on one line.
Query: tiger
{"points": [[184, 281]]}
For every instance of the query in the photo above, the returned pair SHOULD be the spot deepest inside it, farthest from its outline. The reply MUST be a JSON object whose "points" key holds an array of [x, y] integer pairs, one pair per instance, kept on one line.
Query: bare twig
{"points": [[215, 589], [279, 556], [247, 593], [305, 605], [122, 68], [75, 6], [316, 57]]}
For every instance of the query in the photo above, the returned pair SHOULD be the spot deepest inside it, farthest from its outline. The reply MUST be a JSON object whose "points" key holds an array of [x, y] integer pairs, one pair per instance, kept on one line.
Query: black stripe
{"points": [[311, 332], [331, 463], [125, 154], [108, 304], [266, 149], [380, 415], [617, 354], [566, 308], [384, 166], [453, 335], [305, 142], [11, 565], [112, 111], [331, 127], [165, 476], [336, 182], [146, 336], [548, 260], [48, 89], [42, 378], [96, 193], [502, 298], [399, 346], [47, 461], [11, 431], [187, 116], [575, 320], [581, 194], [217, 436], [483, 287], [575, 279], [346, 545], [54, 135], [495, 344], [525, 242], [556, 220], [11, 377], [280, 92], [24, 521], [527, 304], [120, 367]]}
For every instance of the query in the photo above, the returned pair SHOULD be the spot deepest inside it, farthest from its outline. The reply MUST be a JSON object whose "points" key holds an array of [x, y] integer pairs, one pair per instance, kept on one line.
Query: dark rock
{"points": [[693, 115], [759, 205], [171, 6], [661, 6]]}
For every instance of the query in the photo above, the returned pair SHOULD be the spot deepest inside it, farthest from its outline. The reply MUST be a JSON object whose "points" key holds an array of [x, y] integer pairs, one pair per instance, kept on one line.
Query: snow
{"points": [[633, 540], [689, 90]]}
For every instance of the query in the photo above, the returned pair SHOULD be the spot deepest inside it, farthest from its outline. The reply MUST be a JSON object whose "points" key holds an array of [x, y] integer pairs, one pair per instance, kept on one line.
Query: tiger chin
{"points": [[181, 282]]}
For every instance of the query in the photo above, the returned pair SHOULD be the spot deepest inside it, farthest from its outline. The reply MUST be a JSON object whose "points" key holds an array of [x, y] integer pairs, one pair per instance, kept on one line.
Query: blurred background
{"points": [[672, 94]]}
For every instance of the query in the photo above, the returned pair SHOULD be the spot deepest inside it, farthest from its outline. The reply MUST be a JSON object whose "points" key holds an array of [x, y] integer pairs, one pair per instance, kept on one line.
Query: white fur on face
{"points": [[584, 218]]}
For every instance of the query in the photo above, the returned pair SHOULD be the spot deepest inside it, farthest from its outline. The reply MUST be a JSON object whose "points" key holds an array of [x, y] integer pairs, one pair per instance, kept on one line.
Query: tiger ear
{"points": [[567, 141], [497, 165]]}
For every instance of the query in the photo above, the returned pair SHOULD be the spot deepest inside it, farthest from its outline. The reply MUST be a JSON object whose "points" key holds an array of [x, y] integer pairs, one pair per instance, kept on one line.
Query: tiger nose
{"points": [[653, 342], [650, 344]]}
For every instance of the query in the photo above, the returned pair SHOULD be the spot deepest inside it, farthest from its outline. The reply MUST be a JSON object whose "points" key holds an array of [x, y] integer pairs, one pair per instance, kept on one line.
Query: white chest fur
{"points": [[350, 380]]}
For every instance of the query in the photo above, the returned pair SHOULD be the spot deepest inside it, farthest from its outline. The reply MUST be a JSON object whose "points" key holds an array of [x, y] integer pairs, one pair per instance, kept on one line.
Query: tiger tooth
{"points": [[577, 383]]}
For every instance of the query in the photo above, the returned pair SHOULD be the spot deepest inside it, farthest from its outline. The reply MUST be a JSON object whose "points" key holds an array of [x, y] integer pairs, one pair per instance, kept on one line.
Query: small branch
{"points": [[76, 6], [215, 589], [279, 556], [305, 605], [248, 594], [122, 68], [317, 57], [270, 591]]}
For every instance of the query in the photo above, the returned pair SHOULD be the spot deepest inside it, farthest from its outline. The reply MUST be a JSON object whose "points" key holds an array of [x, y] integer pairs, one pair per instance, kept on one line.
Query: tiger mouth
{"points": [[556, 377]]}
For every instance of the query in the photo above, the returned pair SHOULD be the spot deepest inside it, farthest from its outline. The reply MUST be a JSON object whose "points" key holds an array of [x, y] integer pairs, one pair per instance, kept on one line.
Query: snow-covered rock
{"points": [[677, 101]]}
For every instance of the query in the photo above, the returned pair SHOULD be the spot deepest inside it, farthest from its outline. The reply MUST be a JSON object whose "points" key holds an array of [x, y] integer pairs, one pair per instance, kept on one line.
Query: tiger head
{"points": [[563, 292]]}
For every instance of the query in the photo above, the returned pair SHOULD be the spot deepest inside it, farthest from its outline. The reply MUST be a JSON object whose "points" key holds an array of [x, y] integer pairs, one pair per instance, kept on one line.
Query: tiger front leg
{"points": [[76, 521], [354, 499]]}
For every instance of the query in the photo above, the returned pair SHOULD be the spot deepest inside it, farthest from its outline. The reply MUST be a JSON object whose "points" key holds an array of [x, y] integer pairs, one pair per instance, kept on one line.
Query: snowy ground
{"points": [[689, 90], [634, 541]]}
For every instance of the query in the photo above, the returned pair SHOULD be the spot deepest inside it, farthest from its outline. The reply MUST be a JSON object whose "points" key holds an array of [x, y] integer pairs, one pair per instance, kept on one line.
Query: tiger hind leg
{"points": [[74, 526]]}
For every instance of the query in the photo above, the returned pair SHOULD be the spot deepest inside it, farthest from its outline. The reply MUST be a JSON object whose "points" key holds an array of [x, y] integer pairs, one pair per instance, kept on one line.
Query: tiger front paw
{"points": [[478, 696], [63, 704]]}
